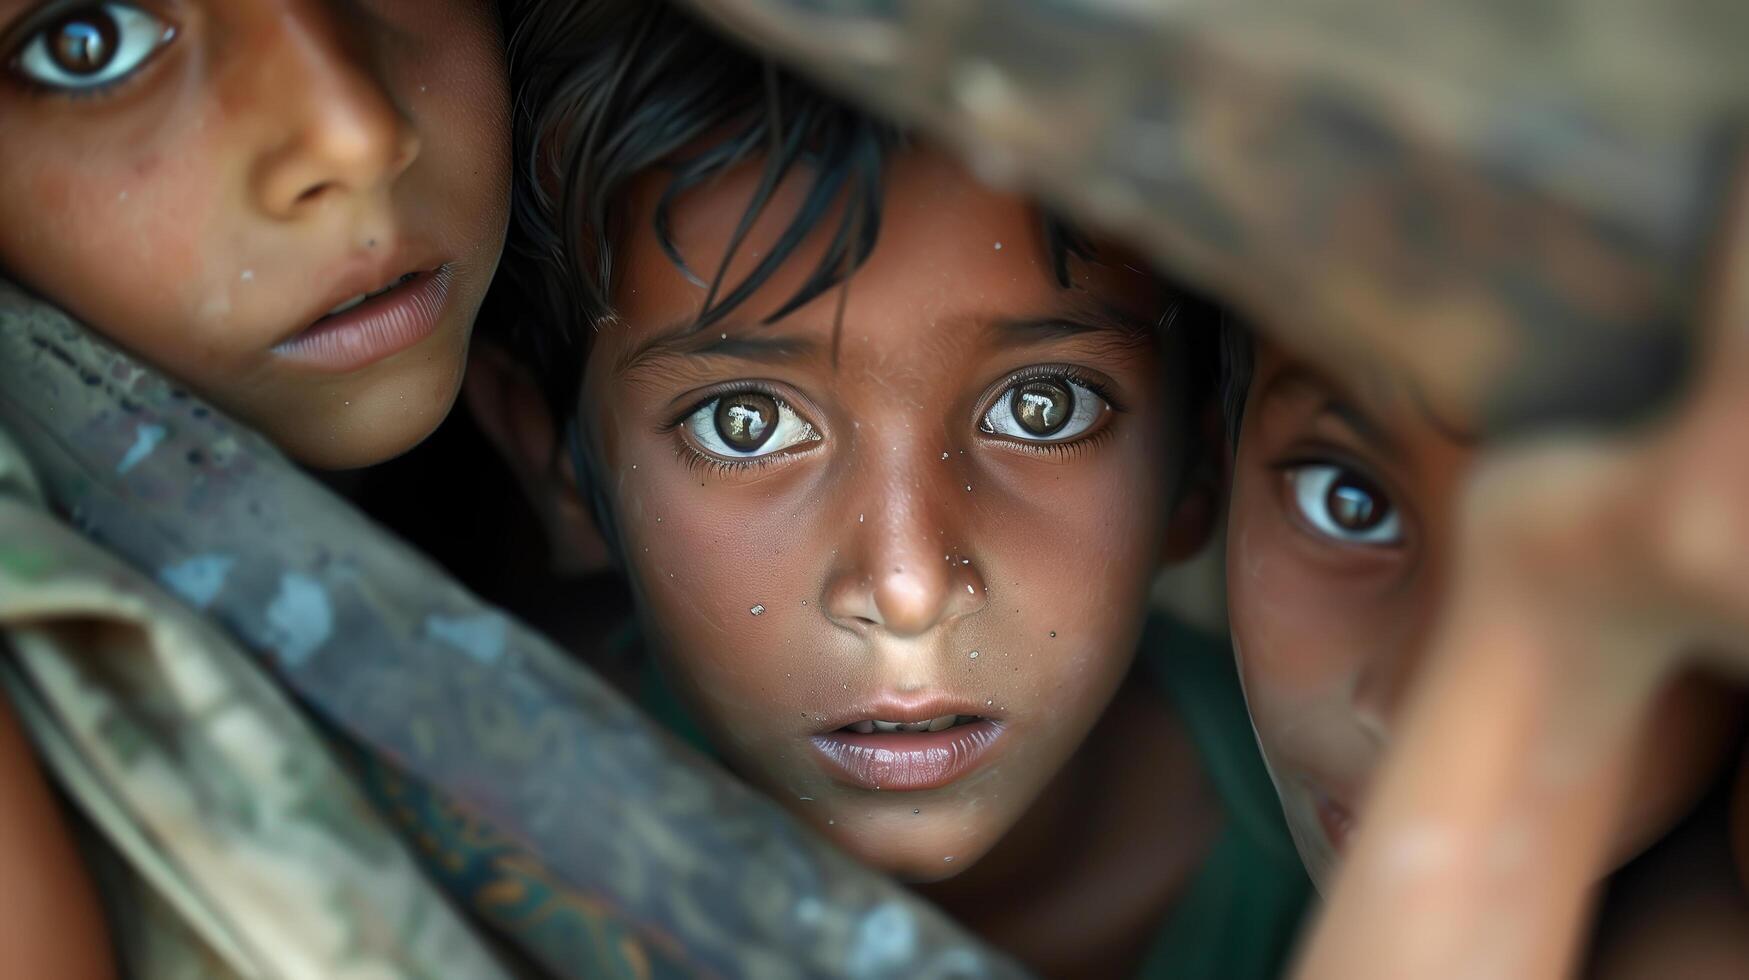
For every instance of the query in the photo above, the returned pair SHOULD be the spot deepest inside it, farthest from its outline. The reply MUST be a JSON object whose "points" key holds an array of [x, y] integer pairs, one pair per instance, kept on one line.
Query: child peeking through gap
{"points": [[889, 459], [294, 208]]}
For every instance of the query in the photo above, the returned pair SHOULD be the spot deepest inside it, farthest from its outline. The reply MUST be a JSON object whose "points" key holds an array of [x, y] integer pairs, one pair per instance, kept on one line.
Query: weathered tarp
{"points": [[383, 646], [1511, 201]]}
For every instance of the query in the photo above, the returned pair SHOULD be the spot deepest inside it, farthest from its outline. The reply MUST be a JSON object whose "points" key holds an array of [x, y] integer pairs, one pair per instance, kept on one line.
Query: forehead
{"points": [[951, 253]]}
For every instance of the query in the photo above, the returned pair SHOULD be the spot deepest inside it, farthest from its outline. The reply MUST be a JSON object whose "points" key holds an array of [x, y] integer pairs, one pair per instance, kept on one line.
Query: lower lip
{"points": [[1337, 822], [375, 328], [907, 760]]}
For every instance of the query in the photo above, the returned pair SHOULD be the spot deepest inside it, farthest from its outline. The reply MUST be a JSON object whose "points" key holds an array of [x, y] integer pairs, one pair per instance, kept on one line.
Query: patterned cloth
{"points": [[227, 839]]}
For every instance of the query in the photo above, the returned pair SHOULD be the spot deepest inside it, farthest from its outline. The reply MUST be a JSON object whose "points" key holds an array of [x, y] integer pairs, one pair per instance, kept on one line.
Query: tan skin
{"points": [[193, 189], [206, 203], [877, 571], [1343, 514]]}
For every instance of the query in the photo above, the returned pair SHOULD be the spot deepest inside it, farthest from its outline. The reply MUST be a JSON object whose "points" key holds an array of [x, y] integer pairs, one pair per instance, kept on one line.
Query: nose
{"points": [[902, 576], [338, 132], [1394, 652]]}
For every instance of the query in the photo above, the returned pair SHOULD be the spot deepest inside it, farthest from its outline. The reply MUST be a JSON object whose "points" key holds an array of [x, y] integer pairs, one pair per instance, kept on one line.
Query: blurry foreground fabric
{"points": [[228, 841]]}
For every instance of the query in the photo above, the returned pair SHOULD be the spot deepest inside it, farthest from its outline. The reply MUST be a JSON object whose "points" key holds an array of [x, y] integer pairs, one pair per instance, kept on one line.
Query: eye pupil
{"points": [[746, 421], [1043, 407], [1354, 504], [84, 43]]}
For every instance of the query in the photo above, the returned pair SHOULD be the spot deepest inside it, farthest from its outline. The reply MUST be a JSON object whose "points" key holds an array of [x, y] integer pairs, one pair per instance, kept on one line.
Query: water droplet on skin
{"points": [[968, 488], [757, 610], [943, 455], [971, 591], [916, 810], [859, 518], [974, 654], [998, 246], [831, 823], [965, 561], [948, 858], [658, 520], [1053, 634], [988, 703]]}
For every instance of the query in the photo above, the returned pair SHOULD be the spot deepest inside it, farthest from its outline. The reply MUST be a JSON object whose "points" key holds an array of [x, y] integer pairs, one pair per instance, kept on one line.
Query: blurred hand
{"points": [[1590, 570]]}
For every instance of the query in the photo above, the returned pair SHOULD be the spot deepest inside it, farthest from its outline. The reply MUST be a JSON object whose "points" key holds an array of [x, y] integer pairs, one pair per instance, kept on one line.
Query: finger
{"points": [[1494, 814]]}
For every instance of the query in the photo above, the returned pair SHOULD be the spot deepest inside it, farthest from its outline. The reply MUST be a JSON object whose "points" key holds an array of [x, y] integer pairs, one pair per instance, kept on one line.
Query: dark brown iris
{"points": [[83, 43], [746, 421], [1042, 407], [1355, 504]]}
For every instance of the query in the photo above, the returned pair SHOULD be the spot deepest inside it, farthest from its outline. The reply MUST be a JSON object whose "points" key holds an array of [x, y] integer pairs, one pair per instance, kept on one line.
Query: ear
{"points": [[1203, 493], [511, 411]]}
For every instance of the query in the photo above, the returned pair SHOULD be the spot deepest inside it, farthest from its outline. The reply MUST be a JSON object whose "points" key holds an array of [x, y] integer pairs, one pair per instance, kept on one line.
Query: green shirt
{"points": [[1240, 915]]}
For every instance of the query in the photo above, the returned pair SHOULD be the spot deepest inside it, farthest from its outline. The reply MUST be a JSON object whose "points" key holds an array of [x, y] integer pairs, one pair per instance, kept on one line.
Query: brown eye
{"points": [[93, 46], [83, 43], [1043, 407], [1354, 504], [1343, 505], [747, 420]]}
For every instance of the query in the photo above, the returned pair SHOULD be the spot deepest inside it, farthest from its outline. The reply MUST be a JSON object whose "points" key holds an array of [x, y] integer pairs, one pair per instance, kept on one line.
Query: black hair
{"points": [[1233, 379], [607, 90]]}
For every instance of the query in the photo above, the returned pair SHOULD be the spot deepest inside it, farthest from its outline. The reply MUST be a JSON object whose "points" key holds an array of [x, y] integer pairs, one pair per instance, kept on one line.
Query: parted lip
{"points": [[909, 708], [1335, 816], [361, 276]]}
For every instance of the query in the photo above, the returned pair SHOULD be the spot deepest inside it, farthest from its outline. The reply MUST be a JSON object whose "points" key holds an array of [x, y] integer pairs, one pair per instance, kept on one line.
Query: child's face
{"points": [[1339, 532], [204, 180], [957, 522]]}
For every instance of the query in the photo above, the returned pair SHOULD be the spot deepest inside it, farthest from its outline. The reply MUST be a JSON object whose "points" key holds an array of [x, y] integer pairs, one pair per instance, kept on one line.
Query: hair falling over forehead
{"points": [[607, 91]]}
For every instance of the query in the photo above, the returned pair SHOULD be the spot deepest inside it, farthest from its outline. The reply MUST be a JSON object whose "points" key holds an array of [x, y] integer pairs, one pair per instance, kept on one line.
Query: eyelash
{"points": [[699, 461], [38, 21], [1057, 372], [1327, 456], [1067, 449]]}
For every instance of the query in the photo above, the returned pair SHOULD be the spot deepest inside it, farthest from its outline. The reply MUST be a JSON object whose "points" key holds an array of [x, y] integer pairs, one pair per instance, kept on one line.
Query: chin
{"points": [[1319, 856], [387, 418], [914, 849]]}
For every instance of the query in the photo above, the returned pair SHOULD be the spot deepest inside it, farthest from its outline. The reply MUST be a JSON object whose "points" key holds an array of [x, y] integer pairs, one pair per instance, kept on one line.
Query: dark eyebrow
{"points": [[1020, 331], [1332, 403], [684, 339], [1360, 422]]}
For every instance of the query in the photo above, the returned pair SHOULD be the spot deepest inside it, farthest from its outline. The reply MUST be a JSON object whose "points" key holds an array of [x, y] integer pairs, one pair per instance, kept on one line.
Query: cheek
{"points": [[725, 584], [1300, 632], [114, 230], [455, 88]]}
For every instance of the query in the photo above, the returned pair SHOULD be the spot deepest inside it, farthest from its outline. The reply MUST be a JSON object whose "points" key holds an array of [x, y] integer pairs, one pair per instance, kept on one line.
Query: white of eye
{"points": [[1313, 485], [138, 35], [791, 430], [1088, 407]]}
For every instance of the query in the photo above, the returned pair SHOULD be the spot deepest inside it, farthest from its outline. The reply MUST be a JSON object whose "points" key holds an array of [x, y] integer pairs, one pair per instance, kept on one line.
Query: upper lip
{"points": [[358, 277], [907, 708]]}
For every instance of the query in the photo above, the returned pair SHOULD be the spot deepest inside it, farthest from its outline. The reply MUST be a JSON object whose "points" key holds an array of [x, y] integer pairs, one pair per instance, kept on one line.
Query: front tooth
{"points": [[942, 724], [349, 304], [863, 727], [914, 726], [886, 726]]}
